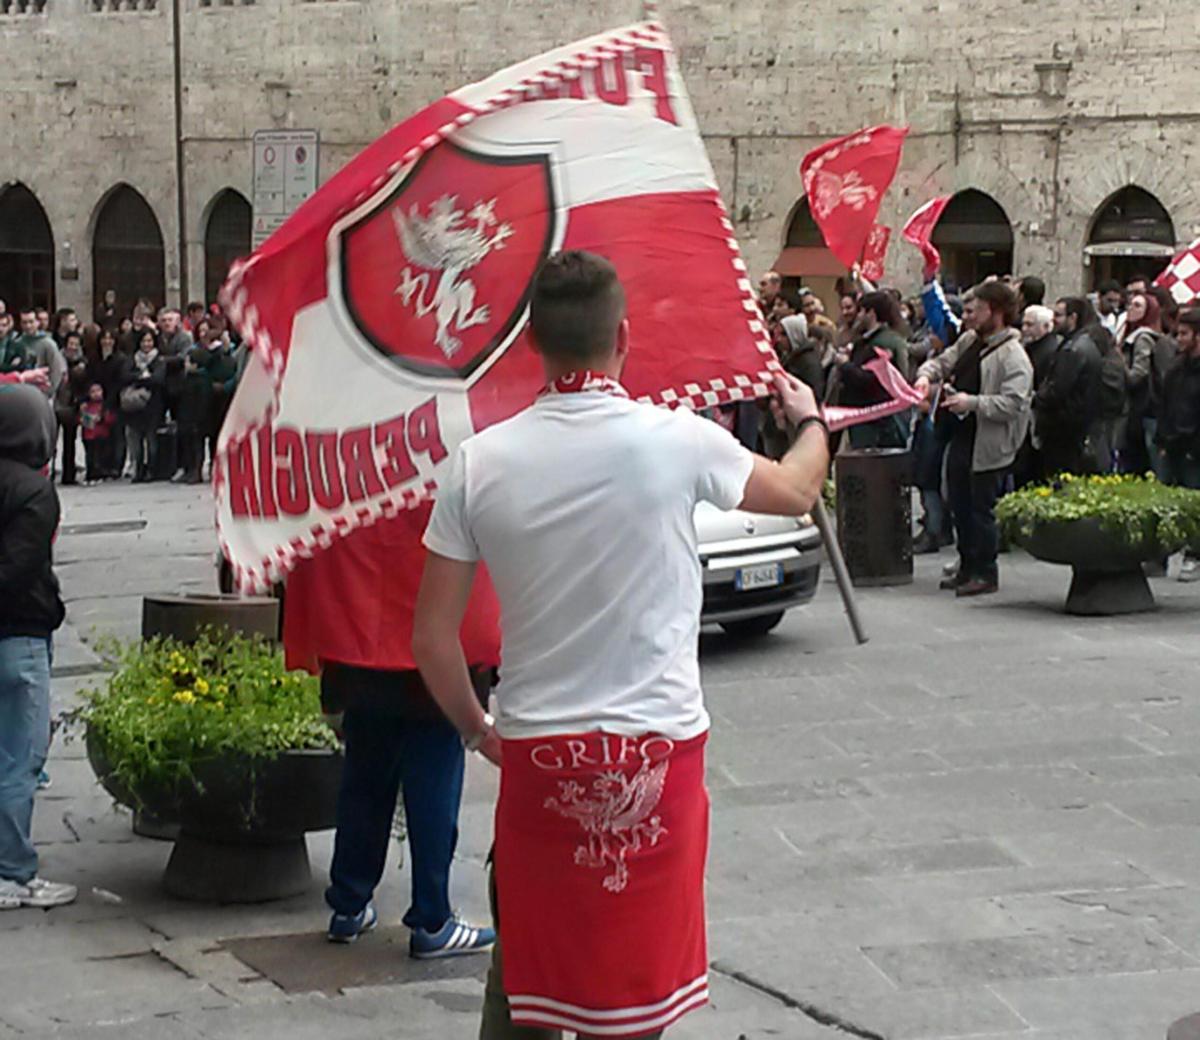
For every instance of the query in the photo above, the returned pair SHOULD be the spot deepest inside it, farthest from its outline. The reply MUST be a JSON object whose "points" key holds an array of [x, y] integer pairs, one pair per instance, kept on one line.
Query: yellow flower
{"points": [[1044, 492], [184, 697], [202, 686], [219, 705], [152, 700]]}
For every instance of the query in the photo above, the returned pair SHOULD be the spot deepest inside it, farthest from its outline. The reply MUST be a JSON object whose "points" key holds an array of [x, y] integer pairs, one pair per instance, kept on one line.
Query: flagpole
{"points": [[838, 563]]}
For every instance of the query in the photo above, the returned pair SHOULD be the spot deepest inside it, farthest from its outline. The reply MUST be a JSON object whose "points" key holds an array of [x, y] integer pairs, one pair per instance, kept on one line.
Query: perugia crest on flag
{"points": [[386, 318], [1182, 275], [845, 181], [435, 271]]}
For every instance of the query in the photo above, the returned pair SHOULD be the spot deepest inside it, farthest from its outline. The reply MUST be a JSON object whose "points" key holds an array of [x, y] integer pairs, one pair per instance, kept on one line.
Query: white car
{"points": [[755, 567]]}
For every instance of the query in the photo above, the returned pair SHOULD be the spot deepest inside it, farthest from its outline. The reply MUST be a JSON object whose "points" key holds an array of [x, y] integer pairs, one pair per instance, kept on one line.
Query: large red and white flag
{"points": [[1182, 276], [845, 181], [386, 316], [919, 231]]}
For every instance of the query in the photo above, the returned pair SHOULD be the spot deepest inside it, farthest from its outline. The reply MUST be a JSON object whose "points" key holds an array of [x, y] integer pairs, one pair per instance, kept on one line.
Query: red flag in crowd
{"points": [[845, 181], [874, 253], [1182, 276], [386, 316], [919, 230]]}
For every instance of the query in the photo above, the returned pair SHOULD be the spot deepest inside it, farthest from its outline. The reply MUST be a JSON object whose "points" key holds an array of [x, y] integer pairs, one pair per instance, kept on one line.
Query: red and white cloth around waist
{"points": [[601, 842]]}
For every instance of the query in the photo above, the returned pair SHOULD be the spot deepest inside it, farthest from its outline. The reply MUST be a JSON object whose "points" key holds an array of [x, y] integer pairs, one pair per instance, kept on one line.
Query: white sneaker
{"points": [[1190, 571], [38, 893]]}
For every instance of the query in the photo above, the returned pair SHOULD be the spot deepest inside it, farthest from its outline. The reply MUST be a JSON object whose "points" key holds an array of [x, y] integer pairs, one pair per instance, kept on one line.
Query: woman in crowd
{"points": [[1140, 341], [107, 372], [71, 393], [142, 403]]}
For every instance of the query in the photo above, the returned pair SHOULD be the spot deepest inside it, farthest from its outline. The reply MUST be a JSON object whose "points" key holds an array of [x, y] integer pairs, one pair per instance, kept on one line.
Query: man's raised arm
{"points": [[790, 486]]}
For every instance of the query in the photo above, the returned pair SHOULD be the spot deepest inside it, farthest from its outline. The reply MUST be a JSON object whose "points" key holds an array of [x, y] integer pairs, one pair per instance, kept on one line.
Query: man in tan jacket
{"points": [[987, 385]]}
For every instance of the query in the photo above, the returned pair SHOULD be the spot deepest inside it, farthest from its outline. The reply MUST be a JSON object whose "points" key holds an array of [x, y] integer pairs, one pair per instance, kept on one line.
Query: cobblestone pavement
{"points": [[986, 822]]}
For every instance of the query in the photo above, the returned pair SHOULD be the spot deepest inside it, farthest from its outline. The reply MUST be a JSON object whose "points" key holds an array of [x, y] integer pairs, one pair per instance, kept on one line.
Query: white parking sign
{"points": [[285, 174]]}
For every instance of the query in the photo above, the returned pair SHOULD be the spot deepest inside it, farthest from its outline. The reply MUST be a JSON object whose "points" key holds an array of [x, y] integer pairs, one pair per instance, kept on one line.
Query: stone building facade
{"points": [[1044, 112]]}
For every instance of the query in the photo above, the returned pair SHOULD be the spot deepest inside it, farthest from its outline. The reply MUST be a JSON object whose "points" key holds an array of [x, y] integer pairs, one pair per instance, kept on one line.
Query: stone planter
{"points": [[241, 823], [1107, 576], [182, 617]]}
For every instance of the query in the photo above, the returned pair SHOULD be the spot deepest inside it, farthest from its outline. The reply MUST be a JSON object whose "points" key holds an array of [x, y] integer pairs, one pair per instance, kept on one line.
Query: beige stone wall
{"points": [[86, 101]]}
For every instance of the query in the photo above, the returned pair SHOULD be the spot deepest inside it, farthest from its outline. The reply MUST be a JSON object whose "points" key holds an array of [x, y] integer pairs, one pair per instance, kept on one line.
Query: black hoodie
{"points": [[29, 601]]}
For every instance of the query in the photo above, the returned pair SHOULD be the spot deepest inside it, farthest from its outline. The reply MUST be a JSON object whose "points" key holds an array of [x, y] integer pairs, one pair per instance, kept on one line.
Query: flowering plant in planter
{"points": [[1139, 512], [169, 706]]}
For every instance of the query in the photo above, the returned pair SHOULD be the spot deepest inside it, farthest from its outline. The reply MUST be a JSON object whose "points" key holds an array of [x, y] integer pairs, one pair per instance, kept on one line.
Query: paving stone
{"points": [[1112, 1006], [1110, 951], [1009, 880]]}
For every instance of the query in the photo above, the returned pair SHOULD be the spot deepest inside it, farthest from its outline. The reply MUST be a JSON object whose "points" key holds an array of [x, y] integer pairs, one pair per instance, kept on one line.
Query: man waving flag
{"points": [[387, 316]]}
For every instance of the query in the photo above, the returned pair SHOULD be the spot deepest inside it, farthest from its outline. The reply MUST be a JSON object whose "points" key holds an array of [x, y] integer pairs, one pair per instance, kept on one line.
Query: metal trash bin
{"points": [[874, 515]]}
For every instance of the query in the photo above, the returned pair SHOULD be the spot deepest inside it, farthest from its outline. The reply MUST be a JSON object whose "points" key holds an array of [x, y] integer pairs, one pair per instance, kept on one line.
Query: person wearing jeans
{"points": [[348, 616], [397, 740], [30, 611], [988, 387], [1178, 429]]}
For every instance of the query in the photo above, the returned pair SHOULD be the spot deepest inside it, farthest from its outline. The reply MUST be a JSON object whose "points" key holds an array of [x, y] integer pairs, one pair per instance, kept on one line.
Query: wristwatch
{"points": [[475, 741]]}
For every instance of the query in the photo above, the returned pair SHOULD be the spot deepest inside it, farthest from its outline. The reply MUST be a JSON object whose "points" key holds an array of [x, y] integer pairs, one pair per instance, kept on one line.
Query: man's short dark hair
{"points": [[1191, 318], [999, 297], [883, 305], [1081, 307], [1112, 285], [195, 305], [1033, 290], [577, 306]]}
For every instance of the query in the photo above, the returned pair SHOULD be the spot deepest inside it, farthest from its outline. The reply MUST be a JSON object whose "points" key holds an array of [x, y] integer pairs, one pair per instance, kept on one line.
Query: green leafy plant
{"points": [[170, 705], [1138, 510]]}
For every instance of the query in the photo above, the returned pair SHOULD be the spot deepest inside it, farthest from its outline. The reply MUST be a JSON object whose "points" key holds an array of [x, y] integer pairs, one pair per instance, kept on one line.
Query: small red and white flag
{"points": [[919, 230], [874, 253], [845, 181], [386, 316], [1182, 276]]}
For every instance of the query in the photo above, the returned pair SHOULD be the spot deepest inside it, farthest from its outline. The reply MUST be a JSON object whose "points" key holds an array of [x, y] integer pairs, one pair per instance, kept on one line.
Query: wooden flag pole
{"points": [[821, 517]]}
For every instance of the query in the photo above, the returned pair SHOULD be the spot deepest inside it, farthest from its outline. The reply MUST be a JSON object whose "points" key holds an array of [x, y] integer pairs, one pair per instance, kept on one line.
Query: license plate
{"points": [[764, 576]]}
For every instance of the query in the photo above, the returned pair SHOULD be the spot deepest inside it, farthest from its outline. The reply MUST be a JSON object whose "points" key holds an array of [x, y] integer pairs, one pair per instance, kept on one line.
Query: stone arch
{"points": [[1131, 234], [127, 249], [975, 238], [805, 260], [26, 249], [226, 237]]}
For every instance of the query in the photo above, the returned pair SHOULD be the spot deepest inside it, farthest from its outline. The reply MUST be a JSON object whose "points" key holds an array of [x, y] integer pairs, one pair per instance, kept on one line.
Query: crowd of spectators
{"points": [[143, 390]]}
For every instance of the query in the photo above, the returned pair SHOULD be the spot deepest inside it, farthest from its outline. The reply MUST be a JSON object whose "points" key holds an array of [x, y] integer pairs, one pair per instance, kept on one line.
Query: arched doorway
{"points": [[127, 250], [806, 260], [1131, 234], [26, 250], [226, 239], [975, 239]]}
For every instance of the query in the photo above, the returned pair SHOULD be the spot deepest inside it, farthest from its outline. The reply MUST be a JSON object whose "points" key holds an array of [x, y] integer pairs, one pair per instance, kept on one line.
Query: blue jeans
{"points": [[973, 498], [24, 744], [424, 758]]}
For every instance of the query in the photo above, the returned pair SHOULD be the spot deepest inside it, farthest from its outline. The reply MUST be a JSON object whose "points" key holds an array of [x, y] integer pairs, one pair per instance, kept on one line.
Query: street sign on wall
{"points": [[285, 174]]}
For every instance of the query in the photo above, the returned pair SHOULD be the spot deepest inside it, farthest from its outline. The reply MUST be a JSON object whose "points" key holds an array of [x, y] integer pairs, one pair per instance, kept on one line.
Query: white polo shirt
{"points": [[581, 507]]}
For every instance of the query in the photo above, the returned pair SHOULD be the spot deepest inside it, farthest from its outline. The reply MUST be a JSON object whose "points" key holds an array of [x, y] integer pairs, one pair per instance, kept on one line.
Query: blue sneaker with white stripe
{"points": [[345, 928], [454, 939]]}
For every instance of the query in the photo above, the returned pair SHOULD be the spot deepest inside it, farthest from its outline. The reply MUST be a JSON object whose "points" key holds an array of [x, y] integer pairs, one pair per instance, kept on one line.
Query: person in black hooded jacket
{"points": [[30, 611]]}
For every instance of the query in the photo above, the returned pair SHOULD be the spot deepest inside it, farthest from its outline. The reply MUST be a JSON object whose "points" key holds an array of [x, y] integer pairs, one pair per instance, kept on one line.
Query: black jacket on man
{"points": [[29, 601], [1041, 355], [1068, 401], [1179, 410]]}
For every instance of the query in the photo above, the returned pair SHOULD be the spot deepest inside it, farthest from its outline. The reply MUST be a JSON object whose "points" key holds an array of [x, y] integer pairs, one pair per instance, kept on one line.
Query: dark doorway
{"points": [[226, 239], [1132, 234], [806, 261], [127, 251], [26, 250], [975, 239]]}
